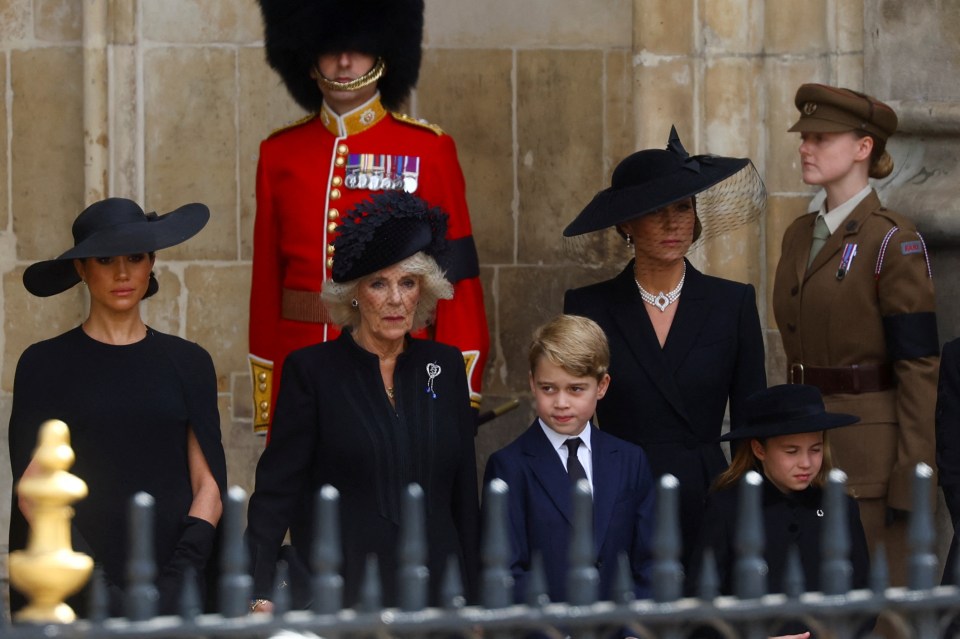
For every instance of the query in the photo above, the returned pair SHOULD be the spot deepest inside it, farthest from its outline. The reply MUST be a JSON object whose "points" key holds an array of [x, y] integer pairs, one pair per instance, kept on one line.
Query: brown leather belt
{"points": [[304, 306], [831, 380]]}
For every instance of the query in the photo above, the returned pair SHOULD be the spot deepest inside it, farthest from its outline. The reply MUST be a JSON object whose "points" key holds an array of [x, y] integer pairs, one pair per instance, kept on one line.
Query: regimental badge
{"points": [[849, 252], [911, 247], [809, 108], [375, 172]]}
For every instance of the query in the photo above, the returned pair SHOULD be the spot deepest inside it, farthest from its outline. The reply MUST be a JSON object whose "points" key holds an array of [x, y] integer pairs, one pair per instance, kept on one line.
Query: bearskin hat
{"points": [[296, 32]]}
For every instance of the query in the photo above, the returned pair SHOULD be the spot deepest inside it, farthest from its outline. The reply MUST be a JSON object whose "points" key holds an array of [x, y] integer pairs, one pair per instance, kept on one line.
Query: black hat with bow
{"points": [[651, 179]]}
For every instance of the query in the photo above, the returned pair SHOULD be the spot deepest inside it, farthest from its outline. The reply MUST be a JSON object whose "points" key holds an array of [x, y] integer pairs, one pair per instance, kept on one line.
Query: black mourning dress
{"points": [[128, 409]]}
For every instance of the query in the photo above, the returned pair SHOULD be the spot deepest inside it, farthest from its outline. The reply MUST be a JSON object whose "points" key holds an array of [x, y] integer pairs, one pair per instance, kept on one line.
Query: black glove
{"points": [[193, 549]]}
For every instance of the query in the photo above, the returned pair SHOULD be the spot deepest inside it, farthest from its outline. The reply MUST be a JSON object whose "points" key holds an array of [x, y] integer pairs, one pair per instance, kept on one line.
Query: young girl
{"points": [[783, 440]]}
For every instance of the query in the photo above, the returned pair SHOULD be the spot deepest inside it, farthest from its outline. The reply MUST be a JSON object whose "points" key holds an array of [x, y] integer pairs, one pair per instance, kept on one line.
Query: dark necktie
{"points": [[574, 467]]}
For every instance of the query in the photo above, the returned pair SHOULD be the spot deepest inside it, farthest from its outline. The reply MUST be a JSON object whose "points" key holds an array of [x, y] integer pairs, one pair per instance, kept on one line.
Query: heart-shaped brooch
{"points": [[433, 371]]}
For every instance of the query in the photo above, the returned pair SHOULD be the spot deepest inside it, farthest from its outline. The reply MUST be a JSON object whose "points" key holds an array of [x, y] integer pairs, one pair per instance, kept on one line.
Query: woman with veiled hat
{"points": [[141, 405], [371, 412], [683, 344], [854, 302]]}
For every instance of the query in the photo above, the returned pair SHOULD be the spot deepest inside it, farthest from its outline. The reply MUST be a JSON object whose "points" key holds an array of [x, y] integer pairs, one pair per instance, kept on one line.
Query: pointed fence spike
{"points": [[496, 590], [622, 590], [583, 580], [189, 604], [413, 573], [451, 588], [141, 593], [326, 553], [667, 574], [923, 560], [836, 571], [879, 571], [371, 590], [793, 582], [98, 602], [235, 586], [708, 588], [536, 594], [750, 570]]}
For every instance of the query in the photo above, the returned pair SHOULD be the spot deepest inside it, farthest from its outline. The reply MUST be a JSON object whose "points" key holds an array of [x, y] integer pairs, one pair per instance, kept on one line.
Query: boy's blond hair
{"points": [[574, 343]]}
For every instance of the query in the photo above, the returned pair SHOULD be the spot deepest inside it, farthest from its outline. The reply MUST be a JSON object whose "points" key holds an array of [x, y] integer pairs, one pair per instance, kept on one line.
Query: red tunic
{"points": [[311, 173]]}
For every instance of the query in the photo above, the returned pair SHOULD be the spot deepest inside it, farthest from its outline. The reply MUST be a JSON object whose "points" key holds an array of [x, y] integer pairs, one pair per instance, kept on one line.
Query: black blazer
{"points": [[948, 443], [334, 425], [541, 510], [672, 400]]}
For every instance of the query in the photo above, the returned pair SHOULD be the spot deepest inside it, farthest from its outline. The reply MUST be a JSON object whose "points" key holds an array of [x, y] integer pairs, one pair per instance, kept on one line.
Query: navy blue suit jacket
{"points": [[671, 400], [541, 509]]}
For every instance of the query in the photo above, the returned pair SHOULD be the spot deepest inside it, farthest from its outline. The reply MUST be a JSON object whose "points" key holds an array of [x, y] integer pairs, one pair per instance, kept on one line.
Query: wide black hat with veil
{"points": [[648, 180]]}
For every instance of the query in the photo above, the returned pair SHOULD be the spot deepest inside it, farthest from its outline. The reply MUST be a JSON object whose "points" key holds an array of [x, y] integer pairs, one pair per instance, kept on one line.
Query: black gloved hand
{"points": [[193, 549]]}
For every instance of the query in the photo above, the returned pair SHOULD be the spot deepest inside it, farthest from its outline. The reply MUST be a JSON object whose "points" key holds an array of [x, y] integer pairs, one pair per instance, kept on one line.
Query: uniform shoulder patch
{"points": [[406, 119], [293, 125]]}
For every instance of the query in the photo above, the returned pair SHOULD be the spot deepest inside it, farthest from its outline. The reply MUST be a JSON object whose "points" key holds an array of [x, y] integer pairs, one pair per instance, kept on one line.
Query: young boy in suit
{"points": [[569, 358]]}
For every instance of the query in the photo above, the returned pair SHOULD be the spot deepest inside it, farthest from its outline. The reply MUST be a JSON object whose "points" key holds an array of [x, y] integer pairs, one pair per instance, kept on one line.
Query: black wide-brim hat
{"points": [[787, 409], [112, 227], [652, 179], [385, 229], [296, 32]]}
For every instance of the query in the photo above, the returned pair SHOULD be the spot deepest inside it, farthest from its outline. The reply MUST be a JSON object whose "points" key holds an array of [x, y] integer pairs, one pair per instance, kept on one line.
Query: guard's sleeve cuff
{"points": [[261, 374], [470, 359]]}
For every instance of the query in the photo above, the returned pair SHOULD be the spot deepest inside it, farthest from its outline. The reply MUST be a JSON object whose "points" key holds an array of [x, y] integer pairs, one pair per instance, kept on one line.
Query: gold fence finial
{"points": [[49, 570]]}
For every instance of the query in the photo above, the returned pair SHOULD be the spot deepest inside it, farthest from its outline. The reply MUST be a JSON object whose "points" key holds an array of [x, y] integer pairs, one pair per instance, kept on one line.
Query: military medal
{"points": [[382, 172], [849, 252]]}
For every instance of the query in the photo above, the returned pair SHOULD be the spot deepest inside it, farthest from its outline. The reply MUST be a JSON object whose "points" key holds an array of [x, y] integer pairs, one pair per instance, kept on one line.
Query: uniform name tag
{"points": [[375, 172], [909, 248]]}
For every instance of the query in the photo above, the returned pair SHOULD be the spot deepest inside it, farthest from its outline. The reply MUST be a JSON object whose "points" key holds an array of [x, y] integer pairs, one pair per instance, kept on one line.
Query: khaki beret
{"points": [[826, 109]]}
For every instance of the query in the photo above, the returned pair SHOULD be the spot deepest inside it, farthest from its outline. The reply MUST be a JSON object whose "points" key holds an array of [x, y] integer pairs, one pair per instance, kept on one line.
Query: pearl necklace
{"points": [[662, 300]]}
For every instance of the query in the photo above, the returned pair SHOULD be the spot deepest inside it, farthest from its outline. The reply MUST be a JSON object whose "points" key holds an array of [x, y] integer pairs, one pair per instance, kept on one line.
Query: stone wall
{"points": [[544, 97]]}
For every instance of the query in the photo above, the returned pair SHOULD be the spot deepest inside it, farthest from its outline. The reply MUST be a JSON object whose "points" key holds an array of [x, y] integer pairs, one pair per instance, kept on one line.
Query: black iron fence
{"points": [[923, 609]]}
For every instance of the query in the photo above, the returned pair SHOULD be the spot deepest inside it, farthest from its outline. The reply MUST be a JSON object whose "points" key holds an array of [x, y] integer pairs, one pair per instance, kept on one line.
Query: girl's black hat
{"points": [[787, 409]]}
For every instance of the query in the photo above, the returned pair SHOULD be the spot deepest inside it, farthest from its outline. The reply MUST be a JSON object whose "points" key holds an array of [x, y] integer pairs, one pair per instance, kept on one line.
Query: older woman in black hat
{"points": [[141, 405], [853, 298], [682, 343], [373, 411], [784, 441]]}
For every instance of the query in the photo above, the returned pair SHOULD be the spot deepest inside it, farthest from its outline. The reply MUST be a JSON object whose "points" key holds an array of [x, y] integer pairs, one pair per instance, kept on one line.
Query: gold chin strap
{"points": [[366, 79]]}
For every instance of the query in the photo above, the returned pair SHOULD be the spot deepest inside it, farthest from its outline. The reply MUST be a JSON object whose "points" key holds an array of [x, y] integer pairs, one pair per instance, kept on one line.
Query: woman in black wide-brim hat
{"points": [[141, 405], [785, 441], [683, 344], [371, 412]]}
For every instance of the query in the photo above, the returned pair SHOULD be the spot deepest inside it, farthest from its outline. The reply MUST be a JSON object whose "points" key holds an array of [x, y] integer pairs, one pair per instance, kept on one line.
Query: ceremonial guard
{"points": [[351, 65], [853, 299]]}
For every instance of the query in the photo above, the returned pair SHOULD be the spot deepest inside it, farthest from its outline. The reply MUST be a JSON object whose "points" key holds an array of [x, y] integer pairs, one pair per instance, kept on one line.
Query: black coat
{"points": [[671, 401], [948, 442], [335, 425], [794, 519]]}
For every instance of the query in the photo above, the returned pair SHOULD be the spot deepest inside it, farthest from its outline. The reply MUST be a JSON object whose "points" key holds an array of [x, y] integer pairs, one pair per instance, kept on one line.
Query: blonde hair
{"points": [[576, 344], [881, 162], [744, 461], [337, 296]]}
